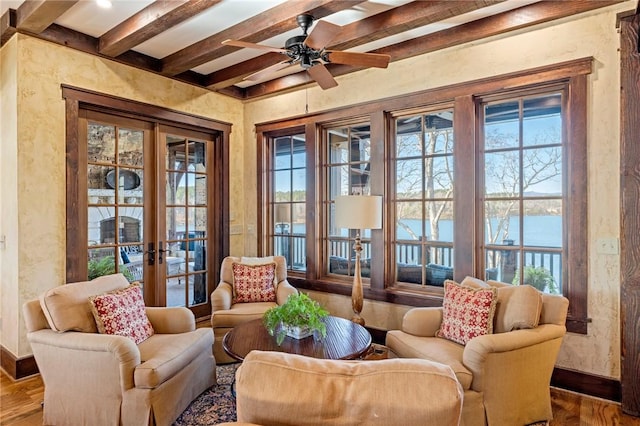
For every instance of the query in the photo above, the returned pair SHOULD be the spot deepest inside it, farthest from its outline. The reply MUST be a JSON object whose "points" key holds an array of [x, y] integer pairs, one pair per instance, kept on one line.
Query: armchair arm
{"points": [[283, 291], [221, 297], [172, 320], [102, 358], [423, 322], [521, 349]]}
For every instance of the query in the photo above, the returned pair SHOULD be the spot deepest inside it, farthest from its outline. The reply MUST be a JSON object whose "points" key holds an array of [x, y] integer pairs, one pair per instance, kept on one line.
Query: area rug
{"points": [[215, 405]]}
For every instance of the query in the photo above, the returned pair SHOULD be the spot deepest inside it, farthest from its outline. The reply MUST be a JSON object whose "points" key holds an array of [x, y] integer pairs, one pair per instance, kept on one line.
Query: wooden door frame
{"points": [[77, 99], [629, 212]]}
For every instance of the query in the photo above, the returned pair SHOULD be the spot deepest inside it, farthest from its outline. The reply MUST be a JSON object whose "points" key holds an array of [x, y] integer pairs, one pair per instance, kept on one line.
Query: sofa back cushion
{"points": [[281, 388], [67, 307]]}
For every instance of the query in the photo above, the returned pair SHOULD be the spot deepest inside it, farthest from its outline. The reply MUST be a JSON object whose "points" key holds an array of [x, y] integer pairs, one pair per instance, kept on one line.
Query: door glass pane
{"points": [[176, 223], [197, 160], [130, 143], [101, 143], [186, 222], [176, 153], [130, 185], [175, 188], [98, 190]]}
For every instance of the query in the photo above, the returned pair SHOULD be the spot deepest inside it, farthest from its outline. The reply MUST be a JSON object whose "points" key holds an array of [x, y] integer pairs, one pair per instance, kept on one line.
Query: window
{"points": [[347, 172], [288, 205], [424, 186], [523, 223], [476, 180]]}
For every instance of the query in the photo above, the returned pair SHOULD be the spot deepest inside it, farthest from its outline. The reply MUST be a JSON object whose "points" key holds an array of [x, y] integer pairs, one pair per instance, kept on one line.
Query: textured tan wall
{"points": [[39, 159], [8, 190], [591, 34], [40, 163]]}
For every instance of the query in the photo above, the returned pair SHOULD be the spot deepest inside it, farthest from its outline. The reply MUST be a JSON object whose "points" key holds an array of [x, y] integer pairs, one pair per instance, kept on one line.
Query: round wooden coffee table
{"points": [[344, 340]]}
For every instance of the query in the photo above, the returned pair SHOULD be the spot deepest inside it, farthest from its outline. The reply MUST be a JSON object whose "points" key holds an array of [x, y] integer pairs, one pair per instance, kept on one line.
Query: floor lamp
{"points": [[358, 212]]}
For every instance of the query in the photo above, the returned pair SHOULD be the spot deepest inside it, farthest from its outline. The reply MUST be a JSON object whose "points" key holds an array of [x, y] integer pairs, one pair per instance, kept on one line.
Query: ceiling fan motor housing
{"points": [[300, 52]]}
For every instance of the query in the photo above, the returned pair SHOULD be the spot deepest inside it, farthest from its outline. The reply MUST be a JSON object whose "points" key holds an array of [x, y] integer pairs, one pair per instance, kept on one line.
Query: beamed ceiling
{"points": [[182, 39]]}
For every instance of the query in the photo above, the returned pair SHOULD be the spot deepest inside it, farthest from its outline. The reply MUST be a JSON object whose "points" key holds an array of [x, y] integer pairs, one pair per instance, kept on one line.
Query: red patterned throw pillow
{"points": [[122, 312], [467, 312], [253, 283]]}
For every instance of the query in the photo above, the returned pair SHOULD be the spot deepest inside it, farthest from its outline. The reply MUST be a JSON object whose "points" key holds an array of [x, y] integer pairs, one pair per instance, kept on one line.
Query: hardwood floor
{"points": [[20, 405]]}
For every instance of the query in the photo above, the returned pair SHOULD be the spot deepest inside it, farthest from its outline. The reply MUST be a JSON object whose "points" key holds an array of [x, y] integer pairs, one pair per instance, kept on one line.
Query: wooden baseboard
{"points": [[17, 368], [587, 384]]}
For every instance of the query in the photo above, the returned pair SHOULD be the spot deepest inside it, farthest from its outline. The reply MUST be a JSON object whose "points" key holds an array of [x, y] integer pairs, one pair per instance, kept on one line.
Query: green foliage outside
{"points": [[538, 277], [298, 311], [105, 266]]}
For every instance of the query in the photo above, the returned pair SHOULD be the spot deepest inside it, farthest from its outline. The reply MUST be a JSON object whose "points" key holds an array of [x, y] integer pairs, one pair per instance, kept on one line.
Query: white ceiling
{"points": [[89, 18]]}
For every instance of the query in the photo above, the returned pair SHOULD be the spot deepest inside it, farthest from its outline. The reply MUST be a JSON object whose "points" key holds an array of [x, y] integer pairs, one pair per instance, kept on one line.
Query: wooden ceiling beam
{"points": [[275, 21], [36, 15], [391, 22], [526, 16], [159, 16], [7, 26]]}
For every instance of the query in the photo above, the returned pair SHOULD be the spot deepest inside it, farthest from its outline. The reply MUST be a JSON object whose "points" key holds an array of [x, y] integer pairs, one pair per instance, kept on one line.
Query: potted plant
{"points": [[539, 278], [298, 317]]}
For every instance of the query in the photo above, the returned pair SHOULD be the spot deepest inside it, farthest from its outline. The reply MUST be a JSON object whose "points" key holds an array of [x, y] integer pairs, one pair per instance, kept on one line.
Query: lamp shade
{"points": [[283, 213], [358, 211]]}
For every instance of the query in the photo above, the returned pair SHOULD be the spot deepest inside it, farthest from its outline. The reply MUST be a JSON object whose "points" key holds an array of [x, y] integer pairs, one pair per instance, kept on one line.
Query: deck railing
{"points": [[501, 260]]}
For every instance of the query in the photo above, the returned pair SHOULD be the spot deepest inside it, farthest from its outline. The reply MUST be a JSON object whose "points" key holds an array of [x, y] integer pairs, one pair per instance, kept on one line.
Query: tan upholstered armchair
{"points": [[275, 388], [225, 314], [505, 375], [104, 379]]}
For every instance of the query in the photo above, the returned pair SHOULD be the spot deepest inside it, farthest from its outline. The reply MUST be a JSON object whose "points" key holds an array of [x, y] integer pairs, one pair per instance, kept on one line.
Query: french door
{"points": [[149, 200]]}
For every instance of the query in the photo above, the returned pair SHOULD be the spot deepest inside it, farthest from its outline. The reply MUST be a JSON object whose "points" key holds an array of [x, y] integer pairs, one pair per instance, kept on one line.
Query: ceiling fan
{"points": [[309, 51]]}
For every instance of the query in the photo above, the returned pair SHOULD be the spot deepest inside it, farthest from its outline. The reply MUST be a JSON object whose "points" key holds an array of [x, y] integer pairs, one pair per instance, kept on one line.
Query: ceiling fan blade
{"points": [[238, 43], [322, 76], [321, 34], [269, 70], [357, 59]]}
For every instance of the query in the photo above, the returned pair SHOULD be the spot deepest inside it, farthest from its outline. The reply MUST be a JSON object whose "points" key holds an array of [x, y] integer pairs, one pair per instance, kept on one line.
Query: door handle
{"points": [[151, 254], [160, 252]]}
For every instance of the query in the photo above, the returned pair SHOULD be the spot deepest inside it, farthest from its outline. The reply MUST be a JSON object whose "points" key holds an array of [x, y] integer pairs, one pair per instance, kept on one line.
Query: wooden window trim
{"points": [[574, 73]]}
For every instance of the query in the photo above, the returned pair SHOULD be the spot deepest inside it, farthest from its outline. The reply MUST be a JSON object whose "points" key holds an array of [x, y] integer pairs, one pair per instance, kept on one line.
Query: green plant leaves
{"points": [[298, 311]]}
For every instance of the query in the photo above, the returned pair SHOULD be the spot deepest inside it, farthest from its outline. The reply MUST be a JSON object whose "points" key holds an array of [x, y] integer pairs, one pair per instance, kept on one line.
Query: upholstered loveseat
{"points": [[275, 388], [505, 375], [92, 378]]}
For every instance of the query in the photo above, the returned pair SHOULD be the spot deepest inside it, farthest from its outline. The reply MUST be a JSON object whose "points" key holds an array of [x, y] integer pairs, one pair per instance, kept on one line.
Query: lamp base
{"points": [[358, 319], [357, 298]]}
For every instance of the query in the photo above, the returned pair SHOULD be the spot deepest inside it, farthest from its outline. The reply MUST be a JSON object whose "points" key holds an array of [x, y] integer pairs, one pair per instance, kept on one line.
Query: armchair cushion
{"points": [[66, 307], [467, 312], [518, 307], [122, 312], [253, 283], [164, 355]]}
